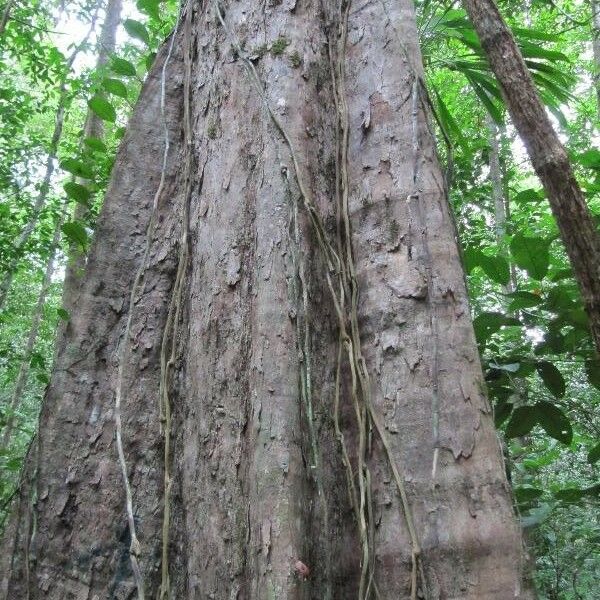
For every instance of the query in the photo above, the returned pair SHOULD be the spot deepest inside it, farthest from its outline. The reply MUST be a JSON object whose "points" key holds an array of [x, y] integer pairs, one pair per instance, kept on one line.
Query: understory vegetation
{"points": [[540, 364]]}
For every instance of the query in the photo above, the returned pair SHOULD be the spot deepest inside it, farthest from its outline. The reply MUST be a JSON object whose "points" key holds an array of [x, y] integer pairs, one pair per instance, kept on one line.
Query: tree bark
{"points": [[548, 156], [272, 341], [6, 15]]}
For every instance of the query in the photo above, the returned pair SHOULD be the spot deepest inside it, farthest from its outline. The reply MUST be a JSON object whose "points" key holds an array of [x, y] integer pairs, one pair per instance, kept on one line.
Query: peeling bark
{"points": [[260, 501]]}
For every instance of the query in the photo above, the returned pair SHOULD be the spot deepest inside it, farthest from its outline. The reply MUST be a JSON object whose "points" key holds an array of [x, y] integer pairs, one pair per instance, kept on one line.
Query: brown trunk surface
{"points": [[212, 319], [548, 156]]}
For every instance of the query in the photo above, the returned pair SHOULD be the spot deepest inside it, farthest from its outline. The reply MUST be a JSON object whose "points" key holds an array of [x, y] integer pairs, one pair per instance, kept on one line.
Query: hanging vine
{"points": [[342, 283], [137, 287], [168, 352]]}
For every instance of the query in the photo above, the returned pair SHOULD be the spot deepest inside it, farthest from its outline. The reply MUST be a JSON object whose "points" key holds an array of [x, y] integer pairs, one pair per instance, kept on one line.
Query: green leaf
{"points": [[78, 192], [77, 168], [489, 105], [589, 158], [115, 87], [136, 30], [150, 60], [522, 421], [551, 377], [122, 67], [508, 367], [37, 361], [488, 323], [594, 454], [42, 378], [558, 298], [570, 494], [528, 196], [103, 108], [149, 7], [496, 268], [95, 144], [14, 464], [527, 493], [447, 121], [554, 422], [536, 515], [76, 233], [63, 314], [531, 254], [523, 300], [502, 412]]}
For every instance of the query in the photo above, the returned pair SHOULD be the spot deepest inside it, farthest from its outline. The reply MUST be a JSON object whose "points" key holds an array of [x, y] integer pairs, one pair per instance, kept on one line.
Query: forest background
{"points": [[58, 75]]}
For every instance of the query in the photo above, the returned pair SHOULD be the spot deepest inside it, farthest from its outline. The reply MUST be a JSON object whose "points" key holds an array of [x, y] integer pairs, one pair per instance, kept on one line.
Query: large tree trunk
{"points": [[221, 306], [548, 156]]}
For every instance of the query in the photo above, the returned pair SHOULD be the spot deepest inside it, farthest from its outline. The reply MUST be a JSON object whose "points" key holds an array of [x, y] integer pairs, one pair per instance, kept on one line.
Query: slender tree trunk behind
{"points": [[38, 313], [548, 156], [40, 201], [6, 15], [595, 27], [270, 387], [499, 198], [93, 128]]}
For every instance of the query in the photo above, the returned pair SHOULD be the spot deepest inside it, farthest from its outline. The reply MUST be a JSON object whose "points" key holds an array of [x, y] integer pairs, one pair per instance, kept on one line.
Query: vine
{"points": [[341, 268], [168, 352], [135, 548]]}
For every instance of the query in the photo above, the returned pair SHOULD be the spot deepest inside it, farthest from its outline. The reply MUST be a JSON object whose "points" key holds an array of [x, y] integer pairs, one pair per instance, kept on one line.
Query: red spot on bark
{"points": [[301, 569]]}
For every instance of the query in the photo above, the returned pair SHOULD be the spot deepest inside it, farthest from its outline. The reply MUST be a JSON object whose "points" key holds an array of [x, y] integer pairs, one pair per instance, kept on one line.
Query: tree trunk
{"points": [[5, 15], [548, 156], [94, 127], [499, 199], [595, 27], [284, 306]]}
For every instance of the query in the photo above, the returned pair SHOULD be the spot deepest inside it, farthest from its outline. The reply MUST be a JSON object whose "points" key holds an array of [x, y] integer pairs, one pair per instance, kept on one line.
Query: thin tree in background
{"points": [[548, 156], [94, 128], [50, 166]]}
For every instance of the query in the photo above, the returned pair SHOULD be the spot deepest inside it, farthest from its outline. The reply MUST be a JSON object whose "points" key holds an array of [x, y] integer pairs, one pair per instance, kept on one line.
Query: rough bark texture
{"points": [[548, 156], [257, 486]]}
